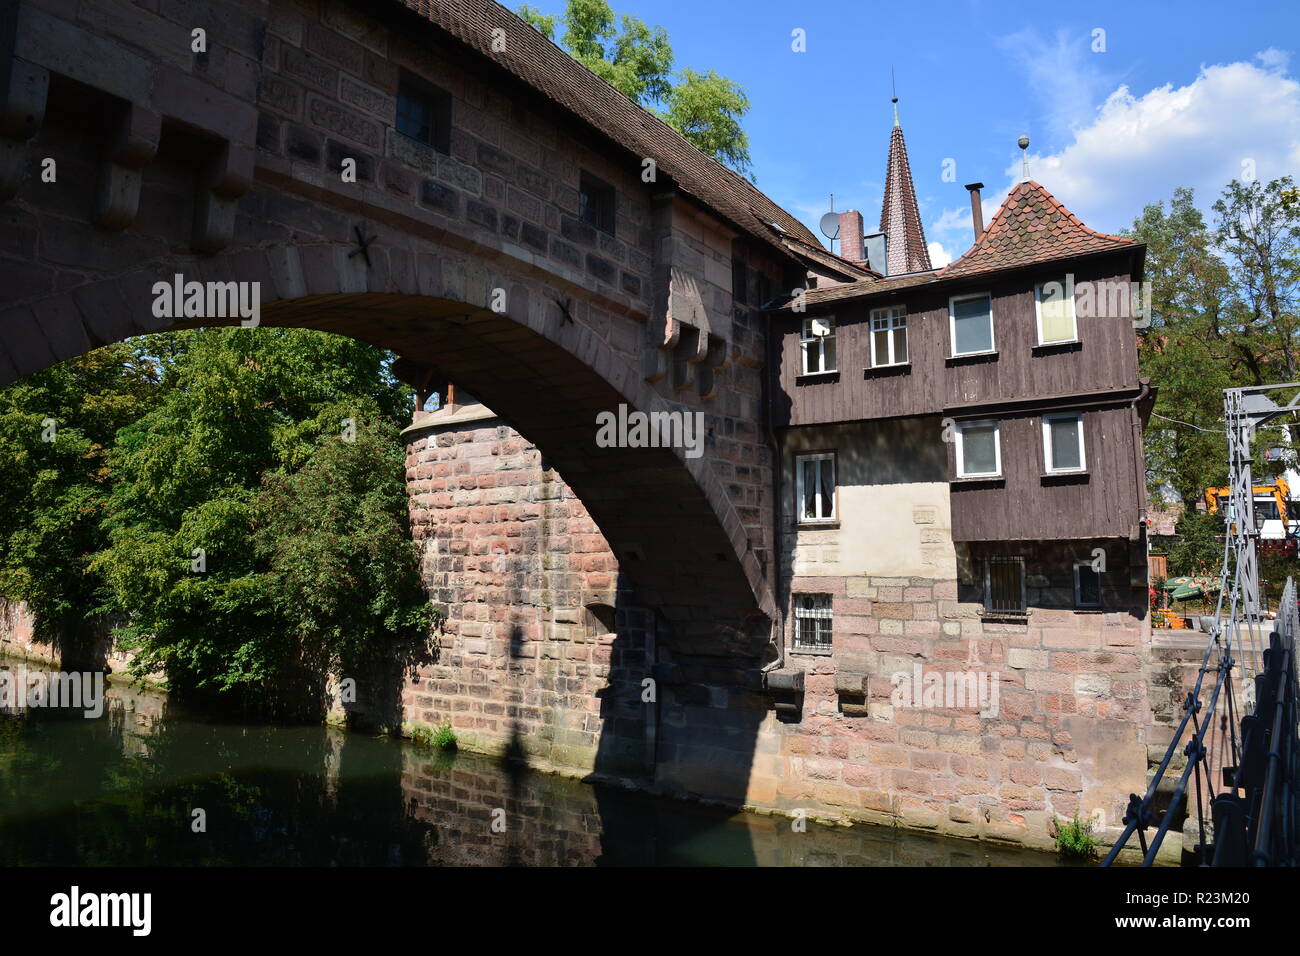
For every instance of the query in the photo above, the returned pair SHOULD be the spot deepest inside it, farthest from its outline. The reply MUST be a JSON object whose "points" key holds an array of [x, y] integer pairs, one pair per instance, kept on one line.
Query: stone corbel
{"points": [[661, 339], [24, 89], [851, 688], [785, 686], [691, 350], [715, 360], [134, 145], [227, 176]]}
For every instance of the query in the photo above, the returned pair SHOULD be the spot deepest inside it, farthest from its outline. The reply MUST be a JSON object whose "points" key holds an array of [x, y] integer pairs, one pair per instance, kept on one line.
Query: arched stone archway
{"points": [[669, 518]]}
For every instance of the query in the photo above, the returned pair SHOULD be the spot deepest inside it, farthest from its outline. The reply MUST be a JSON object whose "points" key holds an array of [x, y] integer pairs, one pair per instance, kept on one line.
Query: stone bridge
{"points": [[254, 142]]}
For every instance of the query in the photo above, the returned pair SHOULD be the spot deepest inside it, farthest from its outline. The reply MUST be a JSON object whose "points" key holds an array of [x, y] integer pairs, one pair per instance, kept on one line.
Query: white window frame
{"points": [[896, 317], [1038, 313], [806, 339], [821, 613], [798, 487], [1078, 590], [952, 325], [997, 448], [1047, 444]]}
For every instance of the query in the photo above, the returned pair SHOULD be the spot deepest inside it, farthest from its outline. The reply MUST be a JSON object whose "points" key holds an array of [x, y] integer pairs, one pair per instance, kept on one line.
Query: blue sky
{"points": [[1187, 93]]}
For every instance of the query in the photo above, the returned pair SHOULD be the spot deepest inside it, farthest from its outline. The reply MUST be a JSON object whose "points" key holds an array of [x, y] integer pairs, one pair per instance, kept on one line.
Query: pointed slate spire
{"points": [[900, 219]]}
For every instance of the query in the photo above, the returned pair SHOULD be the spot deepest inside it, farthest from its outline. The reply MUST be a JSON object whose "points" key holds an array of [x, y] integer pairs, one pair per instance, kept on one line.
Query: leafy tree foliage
{"points": [[637, 60], [204, 497], [56, 429], [1225, 300], [236, 496]]}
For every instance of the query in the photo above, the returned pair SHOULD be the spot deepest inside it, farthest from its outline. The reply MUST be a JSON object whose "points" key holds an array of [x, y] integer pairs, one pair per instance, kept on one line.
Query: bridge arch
{"points": [[546, 364]]}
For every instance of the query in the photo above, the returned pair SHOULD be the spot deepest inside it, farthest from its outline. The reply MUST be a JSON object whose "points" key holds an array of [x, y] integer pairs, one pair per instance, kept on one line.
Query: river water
{"points": [[147, 784]]}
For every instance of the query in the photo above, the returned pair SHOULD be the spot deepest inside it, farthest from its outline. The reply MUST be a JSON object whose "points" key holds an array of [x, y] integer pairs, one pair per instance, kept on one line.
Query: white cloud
{"points": [[1203, 134], [939, 256]]}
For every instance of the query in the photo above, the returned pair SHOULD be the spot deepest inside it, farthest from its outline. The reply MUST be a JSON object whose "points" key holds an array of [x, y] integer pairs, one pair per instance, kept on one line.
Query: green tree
{"points": [[1258, 227], [56, 428], [1189, 285], [637, 60], [193, 558]]}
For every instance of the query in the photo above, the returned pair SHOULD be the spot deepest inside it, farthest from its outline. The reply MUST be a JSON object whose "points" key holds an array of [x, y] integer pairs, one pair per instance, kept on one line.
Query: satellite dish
{"points": [[821, 328], [830, 225]]}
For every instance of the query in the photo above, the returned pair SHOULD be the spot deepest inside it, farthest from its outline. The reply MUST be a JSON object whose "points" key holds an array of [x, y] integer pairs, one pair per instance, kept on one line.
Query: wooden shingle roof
{"points": [[542, 65]]}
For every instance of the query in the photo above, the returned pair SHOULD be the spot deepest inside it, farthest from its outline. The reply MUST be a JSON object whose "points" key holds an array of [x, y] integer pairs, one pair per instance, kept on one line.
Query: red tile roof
{"points": [[542, 65], [1031, 226]]}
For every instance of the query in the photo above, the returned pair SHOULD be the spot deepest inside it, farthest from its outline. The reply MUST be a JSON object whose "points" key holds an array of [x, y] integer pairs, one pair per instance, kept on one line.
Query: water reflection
{"points": [[122, 790]]}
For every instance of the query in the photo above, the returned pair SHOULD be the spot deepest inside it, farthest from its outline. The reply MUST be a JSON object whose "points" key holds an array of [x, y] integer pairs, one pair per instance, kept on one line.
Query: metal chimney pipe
{"points": [[976, 209]]}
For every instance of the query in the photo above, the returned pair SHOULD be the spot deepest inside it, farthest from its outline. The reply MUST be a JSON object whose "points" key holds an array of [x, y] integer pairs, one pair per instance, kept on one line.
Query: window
{"points": [[978, 451], [888, 336], [817, 342], [1054, 306], [424, 113], [815, 487], [971, 319], [1004, 586], [739, 281], [596, 203], [1087, 585], [1063, 443], [812, 622]]}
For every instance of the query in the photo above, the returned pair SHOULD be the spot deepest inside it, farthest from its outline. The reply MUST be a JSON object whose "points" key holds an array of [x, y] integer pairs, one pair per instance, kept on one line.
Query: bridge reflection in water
{"points": [[122, 790]]}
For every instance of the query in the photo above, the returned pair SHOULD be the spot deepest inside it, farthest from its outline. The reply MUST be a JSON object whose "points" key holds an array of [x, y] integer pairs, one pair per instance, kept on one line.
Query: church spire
{"points": [[900, 218]]}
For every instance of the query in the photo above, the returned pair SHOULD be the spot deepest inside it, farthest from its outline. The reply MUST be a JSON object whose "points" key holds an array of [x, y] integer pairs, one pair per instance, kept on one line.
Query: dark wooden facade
{"points": [[1016, 385]]}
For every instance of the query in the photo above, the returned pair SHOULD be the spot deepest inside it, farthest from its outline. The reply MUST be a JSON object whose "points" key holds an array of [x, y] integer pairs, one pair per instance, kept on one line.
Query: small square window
{"points": [[596, 202], [815, 488], [1004, 586], [1087, 585], [813, 621], [1054, 308], [817, 344], [424, 113], [1063, 444], [888, 337], [971, 324], [979, 453]]}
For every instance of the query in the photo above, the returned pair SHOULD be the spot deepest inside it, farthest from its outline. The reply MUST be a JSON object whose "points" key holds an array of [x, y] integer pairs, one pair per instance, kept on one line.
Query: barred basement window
{"points": [[1004, 586], [812, 619], [1087, 585]]}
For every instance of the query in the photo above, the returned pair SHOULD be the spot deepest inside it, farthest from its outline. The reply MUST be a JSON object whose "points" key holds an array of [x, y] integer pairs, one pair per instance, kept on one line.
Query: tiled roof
{"points": [[1031, 226], [900, 218], [819, 253], [866, 287], [542, 65]]}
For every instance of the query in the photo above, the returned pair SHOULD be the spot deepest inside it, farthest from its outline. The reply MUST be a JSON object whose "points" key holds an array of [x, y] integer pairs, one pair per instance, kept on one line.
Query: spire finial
{"points": [[894, 89], [1023, 143]]}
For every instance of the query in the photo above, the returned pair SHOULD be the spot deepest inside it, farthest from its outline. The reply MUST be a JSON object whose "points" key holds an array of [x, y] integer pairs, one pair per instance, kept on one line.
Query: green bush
{"points": [[1074, 839], [444, 738]]}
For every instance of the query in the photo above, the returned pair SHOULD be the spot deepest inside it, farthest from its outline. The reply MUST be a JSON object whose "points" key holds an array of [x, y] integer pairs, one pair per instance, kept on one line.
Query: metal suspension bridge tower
{"points": [[1247, 679]]}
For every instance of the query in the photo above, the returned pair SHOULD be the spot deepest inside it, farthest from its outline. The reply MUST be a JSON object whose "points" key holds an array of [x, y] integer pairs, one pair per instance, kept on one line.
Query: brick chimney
{"points": [[976, 209], [851, 235]]}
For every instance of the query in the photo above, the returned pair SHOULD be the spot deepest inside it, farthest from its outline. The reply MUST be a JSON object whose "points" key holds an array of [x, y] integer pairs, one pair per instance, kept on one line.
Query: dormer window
{"points": [[817, 343], [1054, 307]]}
